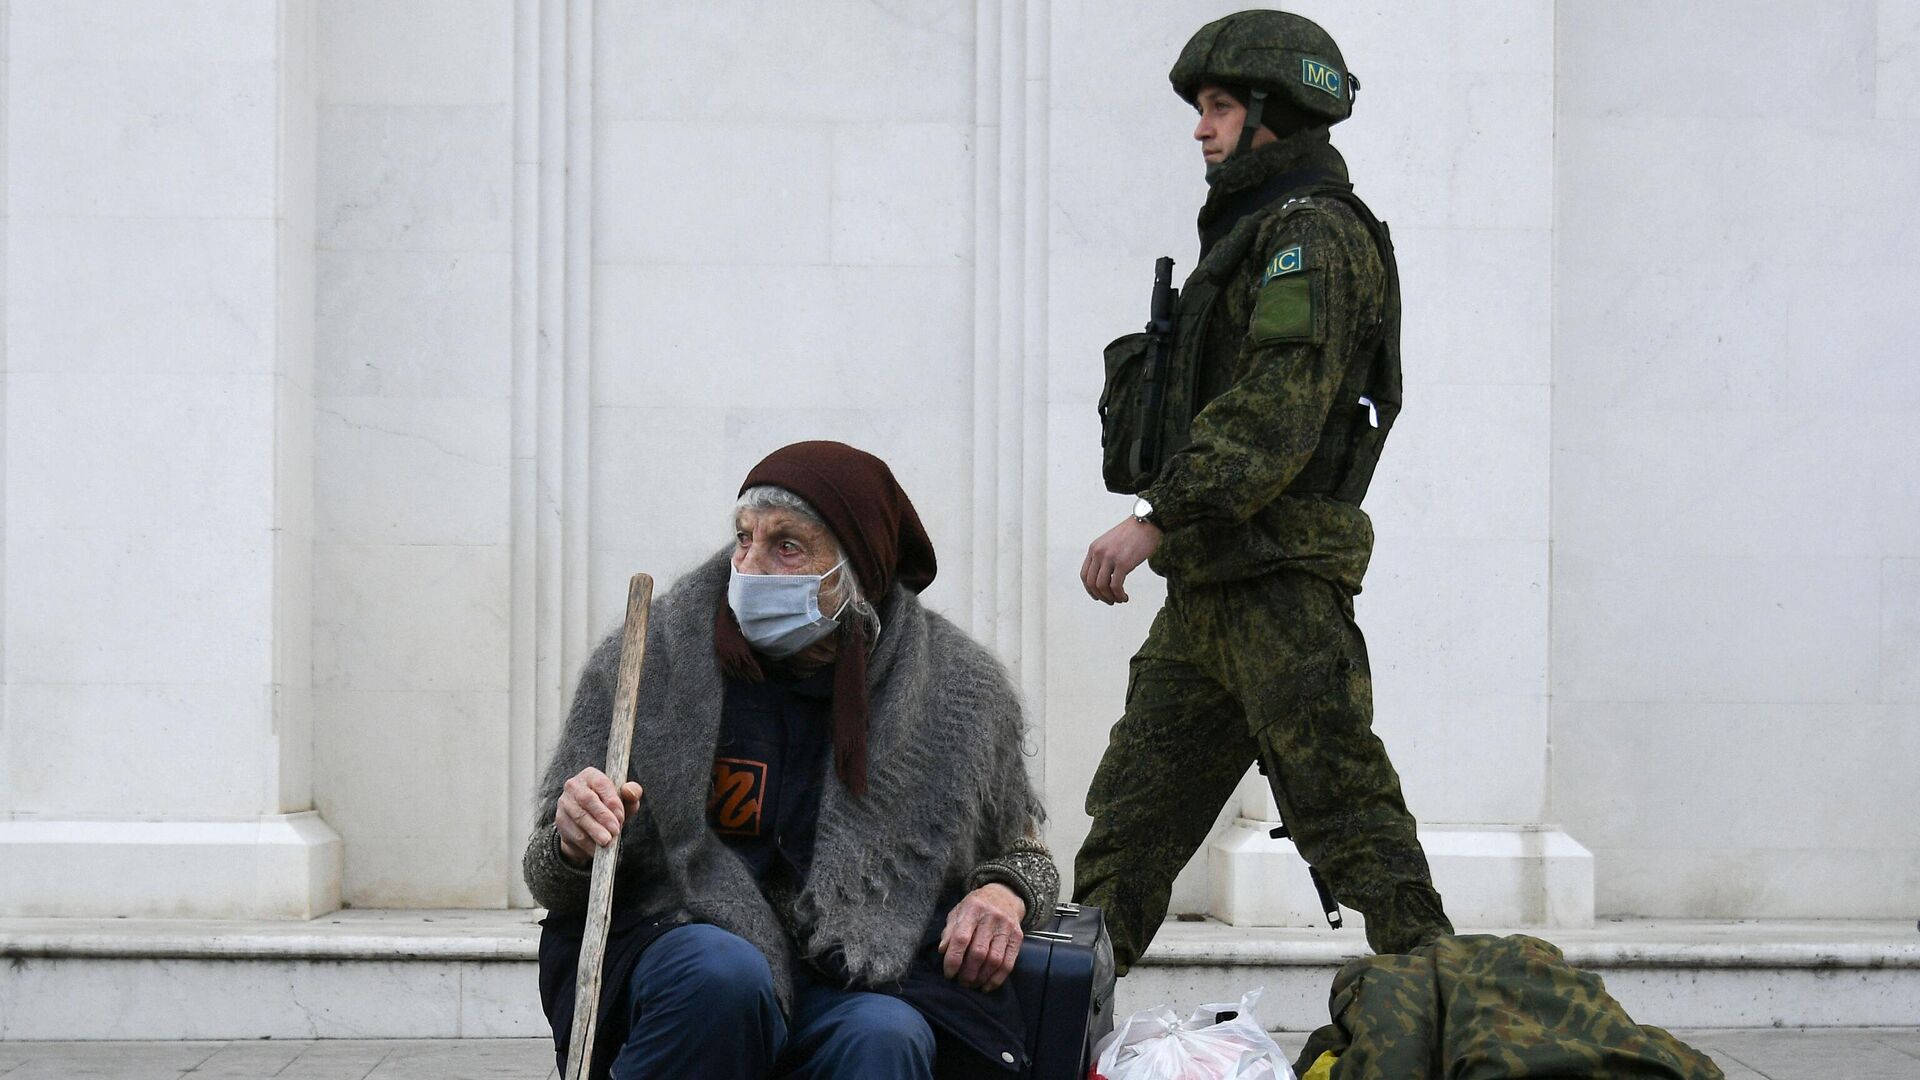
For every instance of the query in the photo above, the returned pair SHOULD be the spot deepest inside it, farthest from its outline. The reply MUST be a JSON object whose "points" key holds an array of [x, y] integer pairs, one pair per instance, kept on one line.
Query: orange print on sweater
{"points": [[739, 788]]}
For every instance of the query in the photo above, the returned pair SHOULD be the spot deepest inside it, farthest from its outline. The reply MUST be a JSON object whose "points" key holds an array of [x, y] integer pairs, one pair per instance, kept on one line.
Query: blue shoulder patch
{"points": [[1289, 261], [1320, 76]]}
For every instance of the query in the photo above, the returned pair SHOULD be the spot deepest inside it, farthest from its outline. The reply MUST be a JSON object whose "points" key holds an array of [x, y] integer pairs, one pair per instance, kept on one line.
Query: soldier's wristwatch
{"points": [[1143, 512]]}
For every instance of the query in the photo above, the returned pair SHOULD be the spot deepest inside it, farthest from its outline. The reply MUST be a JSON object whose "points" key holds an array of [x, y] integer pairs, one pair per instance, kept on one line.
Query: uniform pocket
{"points": [[1133, 680]]}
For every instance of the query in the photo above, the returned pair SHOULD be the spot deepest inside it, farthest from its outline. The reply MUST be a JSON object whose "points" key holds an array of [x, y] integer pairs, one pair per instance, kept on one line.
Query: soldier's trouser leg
{"points": [[1171, 763], [1302, 673]]}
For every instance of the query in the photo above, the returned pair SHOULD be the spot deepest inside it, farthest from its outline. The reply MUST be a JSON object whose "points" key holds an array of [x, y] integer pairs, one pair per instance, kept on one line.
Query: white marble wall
{"points": [[935, 283], [157, 525], [413, 446], [376, 359], [783, 249], [1736, 615], [577, 266], [6, 146]]}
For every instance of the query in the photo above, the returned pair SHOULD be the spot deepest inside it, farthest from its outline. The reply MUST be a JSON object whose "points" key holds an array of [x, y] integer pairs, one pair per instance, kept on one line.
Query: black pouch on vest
{"points": [[1123, 420], [1133, 402]]}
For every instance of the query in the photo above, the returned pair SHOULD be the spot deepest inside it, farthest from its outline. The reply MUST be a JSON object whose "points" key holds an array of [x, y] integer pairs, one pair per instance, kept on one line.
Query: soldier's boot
{"points": [[1172, 761]]}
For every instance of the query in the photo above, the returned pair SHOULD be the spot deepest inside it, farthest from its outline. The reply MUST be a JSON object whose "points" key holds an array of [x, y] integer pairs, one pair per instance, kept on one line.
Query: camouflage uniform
{"points": [[1255, 656], [1491, 1008]]}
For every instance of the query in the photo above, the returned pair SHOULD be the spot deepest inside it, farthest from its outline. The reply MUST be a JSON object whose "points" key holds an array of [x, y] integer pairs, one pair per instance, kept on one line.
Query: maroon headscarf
{"points": [[880, 534]]}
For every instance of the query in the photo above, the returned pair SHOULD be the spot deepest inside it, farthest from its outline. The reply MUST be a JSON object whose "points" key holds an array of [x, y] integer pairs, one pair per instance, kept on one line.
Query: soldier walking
{"points": [[1276, 394]]}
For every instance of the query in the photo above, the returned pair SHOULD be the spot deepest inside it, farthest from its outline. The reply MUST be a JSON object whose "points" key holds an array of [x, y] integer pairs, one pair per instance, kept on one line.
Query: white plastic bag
{"points": [[1155, 1045]]}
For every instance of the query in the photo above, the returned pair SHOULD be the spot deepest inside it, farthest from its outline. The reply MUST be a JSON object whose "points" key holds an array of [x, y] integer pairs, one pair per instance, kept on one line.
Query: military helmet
{"points": [[1284, 54]]}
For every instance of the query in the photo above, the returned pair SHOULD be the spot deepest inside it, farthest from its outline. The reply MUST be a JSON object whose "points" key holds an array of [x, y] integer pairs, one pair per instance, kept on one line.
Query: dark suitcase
{"points": [[1064, 979]]}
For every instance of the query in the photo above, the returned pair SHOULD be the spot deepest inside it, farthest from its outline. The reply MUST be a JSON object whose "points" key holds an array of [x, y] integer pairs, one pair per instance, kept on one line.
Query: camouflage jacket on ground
{"points": [[1279, 345], [1479, 1007]]}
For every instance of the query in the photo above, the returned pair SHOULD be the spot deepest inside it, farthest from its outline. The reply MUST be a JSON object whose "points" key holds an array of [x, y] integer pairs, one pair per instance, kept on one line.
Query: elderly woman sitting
{"points": [[828, 840]]}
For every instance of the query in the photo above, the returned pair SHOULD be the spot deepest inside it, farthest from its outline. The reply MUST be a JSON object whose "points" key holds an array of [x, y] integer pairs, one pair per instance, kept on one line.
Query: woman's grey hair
{"points": [[769, 497]]}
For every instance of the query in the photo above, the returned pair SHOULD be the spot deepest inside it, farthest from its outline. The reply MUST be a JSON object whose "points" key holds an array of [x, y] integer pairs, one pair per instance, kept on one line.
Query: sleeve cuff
{"points": [[1166, 510], [1029, 871], [557, 884], [991, 874], [584, 873]]}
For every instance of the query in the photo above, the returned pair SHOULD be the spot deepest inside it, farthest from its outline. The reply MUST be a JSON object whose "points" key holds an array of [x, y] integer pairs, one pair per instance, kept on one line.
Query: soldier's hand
{"points": [[1115, 555], [590, 812], [982, 939]]}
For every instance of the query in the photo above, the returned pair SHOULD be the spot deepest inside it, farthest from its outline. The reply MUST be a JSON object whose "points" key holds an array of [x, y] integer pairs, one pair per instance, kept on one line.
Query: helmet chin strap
{"points": [[1255, 110]]}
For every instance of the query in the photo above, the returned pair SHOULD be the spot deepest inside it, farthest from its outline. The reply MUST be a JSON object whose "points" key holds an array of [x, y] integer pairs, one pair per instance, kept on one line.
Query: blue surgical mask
{"points": [[780, 613]]}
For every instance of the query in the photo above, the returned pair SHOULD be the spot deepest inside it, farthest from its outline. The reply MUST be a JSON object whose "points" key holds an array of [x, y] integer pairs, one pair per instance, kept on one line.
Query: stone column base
{"points": [[1489, 876], [282, 866]]}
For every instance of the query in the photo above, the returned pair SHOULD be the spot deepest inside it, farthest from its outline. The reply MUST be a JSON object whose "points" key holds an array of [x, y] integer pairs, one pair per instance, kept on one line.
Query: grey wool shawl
{"points": [[947, 788]]}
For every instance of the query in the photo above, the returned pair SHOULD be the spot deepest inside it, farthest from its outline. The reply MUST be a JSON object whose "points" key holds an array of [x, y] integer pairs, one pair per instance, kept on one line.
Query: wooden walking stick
{"points": [[593, 945]]}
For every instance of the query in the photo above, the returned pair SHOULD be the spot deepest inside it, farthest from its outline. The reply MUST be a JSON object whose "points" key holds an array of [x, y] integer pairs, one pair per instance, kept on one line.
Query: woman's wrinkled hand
{"points": [[983, 936], [590, 812]]}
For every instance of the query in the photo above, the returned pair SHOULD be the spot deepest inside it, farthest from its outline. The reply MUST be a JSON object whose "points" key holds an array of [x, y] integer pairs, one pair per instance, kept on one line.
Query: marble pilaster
{"points": [[158, 495]]}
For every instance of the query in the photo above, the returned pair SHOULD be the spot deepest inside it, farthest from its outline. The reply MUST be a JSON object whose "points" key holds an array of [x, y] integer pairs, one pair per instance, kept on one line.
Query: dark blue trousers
{"points": [[703, 1006]]}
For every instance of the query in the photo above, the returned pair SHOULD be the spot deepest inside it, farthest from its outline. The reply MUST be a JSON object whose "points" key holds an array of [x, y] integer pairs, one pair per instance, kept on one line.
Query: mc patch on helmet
{"points": [[1319, 76]]}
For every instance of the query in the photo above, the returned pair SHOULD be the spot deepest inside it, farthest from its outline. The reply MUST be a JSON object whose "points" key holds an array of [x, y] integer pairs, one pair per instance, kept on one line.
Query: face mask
{"points": [[780, 613]]}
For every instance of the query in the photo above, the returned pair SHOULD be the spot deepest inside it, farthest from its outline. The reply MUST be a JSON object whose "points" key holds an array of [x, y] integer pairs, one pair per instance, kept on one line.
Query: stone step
{"points": [[471, 974], [1673, 973]]}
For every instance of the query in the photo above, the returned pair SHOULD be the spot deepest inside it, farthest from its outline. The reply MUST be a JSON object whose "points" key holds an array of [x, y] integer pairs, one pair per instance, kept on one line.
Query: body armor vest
{"points": [[1137, 410]]}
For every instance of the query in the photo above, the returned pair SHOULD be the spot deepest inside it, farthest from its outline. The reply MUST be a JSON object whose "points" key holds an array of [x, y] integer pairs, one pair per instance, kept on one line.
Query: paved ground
{"points": [[1819, 1054]]}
